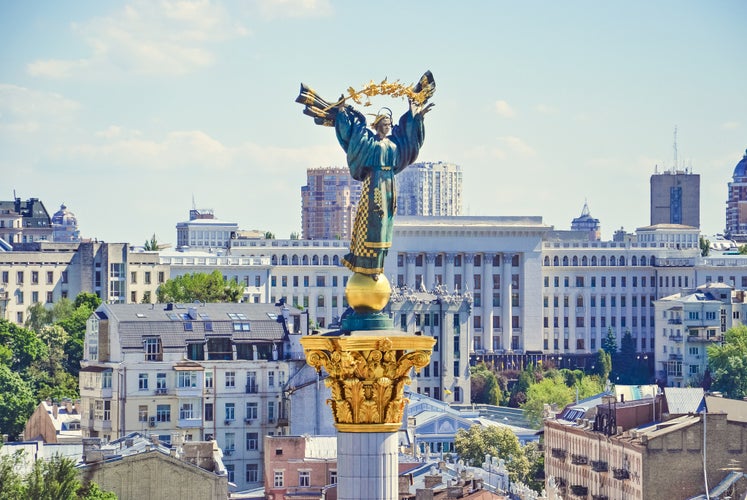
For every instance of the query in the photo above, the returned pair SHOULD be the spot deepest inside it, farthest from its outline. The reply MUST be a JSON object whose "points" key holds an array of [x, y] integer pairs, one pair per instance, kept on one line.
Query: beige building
{"points": [[299, 467], [54, 423], [621, 454], [195, 372], [137, 468]]}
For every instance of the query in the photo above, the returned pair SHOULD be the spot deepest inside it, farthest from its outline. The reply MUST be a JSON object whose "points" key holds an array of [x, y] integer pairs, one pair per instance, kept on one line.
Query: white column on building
{"points": [[487, 301], [506, 321], [410, 270], [367, 466], [449, 272], [429, 278]]}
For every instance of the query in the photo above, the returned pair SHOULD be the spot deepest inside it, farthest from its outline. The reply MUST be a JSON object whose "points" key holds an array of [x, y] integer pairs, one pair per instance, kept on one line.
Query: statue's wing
{"points": [[426, 83]]}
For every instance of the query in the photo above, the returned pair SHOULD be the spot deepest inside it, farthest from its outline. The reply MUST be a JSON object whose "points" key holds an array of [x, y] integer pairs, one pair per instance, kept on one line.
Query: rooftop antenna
{"points": [[194, 207], [674, 168]]}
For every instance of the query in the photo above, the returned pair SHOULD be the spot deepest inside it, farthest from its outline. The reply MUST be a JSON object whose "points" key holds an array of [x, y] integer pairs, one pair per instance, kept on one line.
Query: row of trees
{"points": [[41, 359], [54, 479]]}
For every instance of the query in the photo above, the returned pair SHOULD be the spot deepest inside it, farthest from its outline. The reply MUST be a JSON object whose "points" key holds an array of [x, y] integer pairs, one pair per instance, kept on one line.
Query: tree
{"points": [[295, 236], [17, 402], [200, 287], [609, 344], [269, 235], [728, 363], [47, 374], [484, 385], [472, 445], [627, 368], [152, 244], [53, 479], [536, 457], [602, 365], [705, 246], [22, 346], [547, 391], [11, 482]]}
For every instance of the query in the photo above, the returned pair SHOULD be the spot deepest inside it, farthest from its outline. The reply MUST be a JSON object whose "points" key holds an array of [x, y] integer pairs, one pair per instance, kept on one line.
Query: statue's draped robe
{"points": [[375, 162]]}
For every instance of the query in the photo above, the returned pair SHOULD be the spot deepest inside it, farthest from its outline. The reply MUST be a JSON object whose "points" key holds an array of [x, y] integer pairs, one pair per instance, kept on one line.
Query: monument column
{"points": [[506, 317]]}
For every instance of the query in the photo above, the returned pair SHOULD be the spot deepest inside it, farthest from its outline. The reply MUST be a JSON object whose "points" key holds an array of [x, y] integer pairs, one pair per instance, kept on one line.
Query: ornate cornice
{"points": [[367, 376]]}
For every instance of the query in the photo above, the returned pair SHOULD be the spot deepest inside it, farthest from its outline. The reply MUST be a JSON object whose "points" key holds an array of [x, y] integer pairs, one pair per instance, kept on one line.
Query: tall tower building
{"points": [[585, 222], [675, 198], [427, 188], [736, 205], [328, 203]]}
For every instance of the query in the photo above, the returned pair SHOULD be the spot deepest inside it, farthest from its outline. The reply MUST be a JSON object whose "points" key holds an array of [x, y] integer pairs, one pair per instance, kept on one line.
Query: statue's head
{"points": [[382, 124]]}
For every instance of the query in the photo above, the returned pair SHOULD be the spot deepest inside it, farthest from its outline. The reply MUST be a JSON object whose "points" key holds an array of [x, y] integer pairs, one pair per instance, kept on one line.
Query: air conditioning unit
{"points": [[248, 420], [228, 422], [152, 421]]}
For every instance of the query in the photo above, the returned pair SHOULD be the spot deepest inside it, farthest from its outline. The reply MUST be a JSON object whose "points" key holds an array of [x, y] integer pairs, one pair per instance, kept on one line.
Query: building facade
{"points": [[328, 203], [197, 372], [203, 231], [588, 224], [430, 188], [687, 323], [736, 203], [445, 317], [299, 466], [24, 221], [675, 198], [65, 226]]}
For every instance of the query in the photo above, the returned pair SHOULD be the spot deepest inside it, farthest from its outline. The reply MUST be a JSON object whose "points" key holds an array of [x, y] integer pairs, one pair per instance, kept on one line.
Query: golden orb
{"points": [[366, 294]]}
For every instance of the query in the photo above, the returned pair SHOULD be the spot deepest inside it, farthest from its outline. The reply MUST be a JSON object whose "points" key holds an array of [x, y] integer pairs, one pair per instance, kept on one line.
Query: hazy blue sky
{"points": [[125, 111]]}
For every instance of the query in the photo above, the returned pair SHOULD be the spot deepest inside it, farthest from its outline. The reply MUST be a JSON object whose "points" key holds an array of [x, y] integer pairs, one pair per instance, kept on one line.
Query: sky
{"points": [[131, 112]]}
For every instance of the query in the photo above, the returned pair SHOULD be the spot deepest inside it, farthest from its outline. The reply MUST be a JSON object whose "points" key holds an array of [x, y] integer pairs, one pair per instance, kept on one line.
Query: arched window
{"points": [[603, 261], [335, 260], [284, 260], [584, 261], [546, 261], [294, 260], [305, 260], [621, 261], [575, 261], [643, 260], [651, 260], [315, 260], [325, 260], [555, 261], [565, 261], [612, 260], [593, 260], [274, 260], [633, 261]]}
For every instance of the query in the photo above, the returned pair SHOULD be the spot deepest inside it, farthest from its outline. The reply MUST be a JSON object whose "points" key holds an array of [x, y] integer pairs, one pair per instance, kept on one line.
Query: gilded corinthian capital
{"points": [[367, 376]]}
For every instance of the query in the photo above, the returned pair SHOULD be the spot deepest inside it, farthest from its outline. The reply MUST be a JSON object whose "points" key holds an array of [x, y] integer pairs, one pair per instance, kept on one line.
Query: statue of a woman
{"points": [[374, 157]]}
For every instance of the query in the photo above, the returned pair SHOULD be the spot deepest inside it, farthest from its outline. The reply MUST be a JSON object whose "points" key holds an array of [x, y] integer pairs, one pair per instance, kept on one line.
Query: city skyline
{"points": [[127, 112]]}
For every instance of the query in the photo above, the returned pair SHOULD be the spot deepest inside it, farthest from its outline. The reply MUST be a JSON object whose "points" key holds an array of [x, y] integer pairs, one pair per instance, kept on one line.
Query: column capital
{"points": [[410, 257], [449, 257], [469, 258], [430, 258]]}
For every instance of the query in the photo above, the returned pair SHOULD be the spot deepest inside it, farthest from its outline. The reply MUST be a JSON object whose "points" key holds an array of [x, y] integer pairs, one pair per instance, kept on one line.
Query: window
{"points": [[187, 379], [270, 411], [147, 277], [230, 379], [5, 276], [208, 380], [230, 471], [50, 277], [271, 379], [230, 411], [106, 379], [208, 412], [133, 277], [333, 473], [252, 473], [163, 413], [19, 277], [251, 411], [153, 349], [161, 277], [142, 413], [35, 277], [160, 381], [186, 410], [252, 440], [304, 478], [278, 479]]}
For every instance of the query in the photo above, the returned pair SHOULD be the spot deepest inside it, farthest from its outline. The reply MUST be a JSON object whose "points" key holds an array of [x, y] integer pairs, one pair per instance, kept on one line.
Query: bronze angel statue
{"points": [[374, 156]]}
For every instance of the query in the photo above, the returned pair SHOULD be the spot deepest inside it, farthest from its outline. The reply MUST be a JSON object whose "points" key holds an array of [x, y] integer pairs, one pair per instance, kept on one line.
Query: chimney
{"points": [[432, 480], [55, 409]]}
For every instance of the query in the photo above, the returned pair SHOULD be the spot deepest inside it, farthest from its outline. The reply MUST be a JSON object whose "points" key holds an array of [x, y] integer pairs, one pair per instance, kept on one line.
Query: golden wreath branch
{"points": [[385, 87]]}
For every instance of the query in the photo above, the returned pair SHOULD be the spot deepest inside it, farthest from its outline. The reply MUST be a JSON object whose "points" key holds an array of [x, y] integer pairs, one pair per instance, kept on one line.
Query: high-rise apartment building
{"points": [[736, 205], [675, 198], [428, 188], [328, 203]]}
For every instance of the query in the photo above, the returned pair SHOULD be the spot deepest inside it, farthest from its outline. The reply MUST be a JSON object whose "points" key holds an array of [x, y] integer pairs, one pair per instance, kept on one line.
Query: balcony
{"points": [[162, 391], [675, 338], [189, 423], [251, 388], [599, 466], [621, 474], [194, 392], [675, 357], [559, 453], [674, 321], [579, 459], [579, 490]]}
